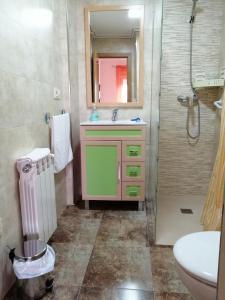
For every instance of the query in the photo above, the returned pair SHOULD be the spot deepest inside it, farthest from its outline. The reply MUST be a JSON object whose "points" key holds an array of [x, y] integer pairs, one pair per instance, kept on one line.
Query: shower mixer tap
{"points": [[192, 19], [184, 100], [188, 101]]}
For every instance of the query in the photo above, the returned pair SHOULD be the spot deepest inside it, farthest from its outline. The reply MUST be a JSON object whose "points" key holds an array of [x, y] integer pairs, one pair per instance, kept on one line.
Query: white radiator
{"points": [[37, 194]]}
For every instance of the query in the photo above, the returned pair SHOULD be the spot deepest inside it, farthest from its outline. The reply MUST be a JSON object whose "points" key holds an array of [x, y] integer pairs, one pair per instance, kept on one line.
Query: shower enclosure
{"points": [[192, 47]]}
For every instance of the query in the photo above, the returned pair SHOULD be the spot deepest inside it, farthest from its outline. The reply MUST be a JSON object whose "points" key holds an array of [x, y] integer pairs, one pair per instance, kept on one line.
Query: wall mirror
{"points": [[114, 55]]}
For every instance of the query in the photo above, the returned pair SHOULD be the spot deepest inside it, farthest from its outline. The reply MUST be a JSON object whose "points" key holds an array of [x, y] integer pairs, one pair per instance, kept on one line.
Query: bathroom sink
{"points": [[109, 122]]}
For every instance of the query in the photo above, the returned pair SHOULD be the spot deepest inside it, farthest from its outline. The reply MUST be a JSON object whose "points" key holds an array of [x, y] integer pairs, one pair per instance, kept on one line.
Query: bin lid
{"points": [[31, 269], [31, 250]]}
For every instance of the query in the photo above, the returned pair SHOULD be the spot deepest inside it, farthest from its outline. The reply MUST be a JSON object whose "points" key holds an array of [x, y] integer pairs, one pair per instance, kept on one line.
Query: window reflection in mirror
{"points": [[114, 44]]}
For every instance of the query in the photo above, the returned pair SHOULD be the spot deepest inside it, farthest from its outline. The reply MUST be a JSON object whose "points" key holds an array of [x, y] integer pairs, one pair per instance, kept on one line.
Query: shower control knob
{"points": [[183, 99]]}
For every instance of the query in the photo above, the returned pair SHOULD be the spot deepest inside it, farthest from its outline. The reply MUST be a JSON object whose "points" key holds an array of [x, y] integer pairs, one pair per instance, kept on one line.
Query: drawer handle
{"points": [[133, 152], [133, 173], [119, 170], [133, 193]]}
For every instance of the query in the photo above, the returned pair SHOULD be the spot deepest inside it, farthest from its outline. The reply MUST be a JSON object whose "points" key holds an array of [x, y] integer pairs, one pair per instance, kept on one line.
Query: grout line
{"points": [[78, 294], [93, 248]]}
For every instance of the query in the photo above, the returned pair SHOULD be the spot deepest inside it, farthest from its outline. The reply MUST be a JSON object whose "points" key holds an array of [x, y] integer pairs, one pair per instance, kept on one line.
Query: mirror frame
{"points": [[140, 88]]}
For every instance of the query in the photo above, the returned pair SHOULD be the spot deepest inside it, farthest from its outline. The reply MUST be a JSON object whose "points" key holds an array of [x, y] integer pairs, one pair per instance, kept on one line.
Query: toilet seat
{"points": [[198, 254]]}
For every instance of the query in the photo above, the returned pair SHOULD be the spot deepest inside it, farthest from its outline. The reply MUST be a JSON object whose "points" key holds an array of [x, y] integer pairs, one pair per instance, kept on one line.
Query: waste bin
{"points": [[32, 264]]}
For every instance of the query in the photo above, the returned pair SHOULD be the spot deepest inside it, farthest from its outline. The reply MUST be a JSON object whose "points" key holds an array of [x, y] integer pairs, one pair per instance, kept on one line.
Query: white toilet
{"points": [[197, 257]]}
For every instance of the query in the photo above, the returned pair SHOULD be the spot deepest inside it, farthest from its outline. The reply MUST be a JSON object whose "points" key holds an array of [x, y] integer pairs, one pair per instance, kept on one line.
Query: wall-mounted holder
{"points": [[48, 116], [218, 104], [219, 82]]}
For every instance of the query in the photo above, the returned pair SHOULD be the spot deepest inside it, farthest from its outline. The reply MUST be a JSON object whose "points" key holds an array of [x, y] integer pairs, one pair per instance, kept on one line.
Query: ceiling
{"points": [[113, 24]]}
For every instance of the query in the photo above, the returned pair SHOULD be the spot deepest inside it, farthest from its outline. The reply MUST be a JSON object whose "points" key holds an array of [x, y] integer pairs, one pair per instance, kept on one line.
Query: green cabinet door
{"points": [[101, 170]]}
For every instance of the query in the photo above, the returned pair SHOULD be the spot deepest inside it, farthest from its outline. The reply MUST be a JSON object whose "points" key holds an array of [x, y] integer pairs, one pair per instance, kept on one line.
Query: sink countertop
{"points": [[109, 122]]}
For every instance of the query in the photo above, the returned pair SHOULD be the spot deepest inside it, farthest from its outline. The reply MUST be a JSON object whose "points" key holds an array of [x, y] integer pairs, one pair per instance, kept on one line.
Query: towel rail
{"points": [[48, 116]]}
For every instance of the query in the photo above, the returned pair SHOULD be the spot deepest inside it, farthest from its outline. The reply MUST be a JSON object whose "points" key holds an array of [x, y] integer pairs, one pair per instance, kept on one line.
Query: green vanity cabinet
{"points": [[101, 170], [113, 163]]}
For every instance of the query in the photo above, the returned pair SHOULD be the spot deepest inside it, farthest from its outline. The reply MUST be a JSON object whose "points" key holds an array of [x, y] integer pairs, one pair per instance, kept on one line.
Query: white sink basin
{"points": [[109, 122]]}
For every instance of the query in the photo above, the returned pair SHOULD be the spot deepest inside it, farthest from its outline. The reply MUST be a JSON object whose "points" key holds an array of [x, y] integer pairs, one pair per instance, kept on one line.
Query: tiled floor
{"points": [[105, 255]]}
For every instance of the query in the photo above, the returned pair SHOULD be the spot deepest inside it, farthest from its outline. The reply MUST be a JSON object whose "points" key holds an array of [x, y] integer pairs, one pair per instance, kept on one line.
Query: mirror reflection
{"points": [[115, 37]]}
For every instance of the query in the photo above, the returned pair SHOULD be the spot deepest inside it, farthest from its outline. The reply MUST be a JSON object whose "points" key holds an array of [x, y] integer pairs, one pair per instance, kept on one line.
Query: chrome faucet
{"points": [[114, 114]]}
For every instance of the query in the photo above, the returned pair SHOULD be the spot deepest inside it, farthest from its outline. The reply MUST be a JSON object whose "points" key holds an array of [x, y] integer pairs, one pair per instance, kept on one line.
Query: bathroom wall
{"points": [[184, 169], [73, 41], [222, 57], [32, 61], [221, 287], [78, 81]]}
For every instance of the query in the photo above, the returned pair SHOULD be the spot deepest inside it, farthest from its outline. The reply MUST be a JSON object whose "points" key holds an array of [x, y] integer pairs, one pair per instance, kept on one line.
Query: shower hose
{"points": [[195, 96]]}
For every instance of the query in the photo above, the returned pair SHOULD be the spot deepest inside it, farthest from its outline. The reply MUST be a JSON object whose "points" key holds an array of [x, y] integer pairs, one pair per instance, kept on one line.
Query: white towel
{"points": [[61, 146]]}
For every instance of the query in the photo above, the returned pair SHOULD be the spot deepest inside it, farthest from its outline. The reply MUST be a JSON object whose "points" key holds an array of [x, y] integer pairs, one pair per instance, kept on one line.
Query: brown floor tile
{"points": [[127, 294], [172, 296], [63, 293], [122, 267], [80, 231], [62, 235], [126, 215], [63, 250], [94, 294], [122, 231], [74, 211], [102, 255], [70, 267], [59, 293], [77, 226], [16, 294], [150, 232], [165, 277], [151, 221]]}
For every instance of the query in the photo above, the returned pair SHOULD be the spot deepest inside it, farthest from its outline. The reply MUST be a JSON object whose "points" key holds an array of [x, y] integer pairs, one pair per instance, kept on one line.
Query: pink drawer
{"points": [[133, 171], [133, 151], [133, 191]]}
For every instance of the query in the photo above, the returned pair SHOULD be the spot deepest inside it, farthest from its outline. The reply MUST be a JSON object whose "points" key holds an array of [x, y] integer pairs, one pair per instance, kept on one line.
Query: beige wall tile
{"points": [[185, 169], [30, 59]]}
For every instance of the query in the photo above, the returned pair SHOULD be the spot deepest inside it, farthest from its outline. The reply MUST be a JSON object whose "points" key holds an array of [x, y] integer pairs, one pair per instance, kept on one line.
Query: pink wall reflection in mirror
{"points": [[113, 80]]}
